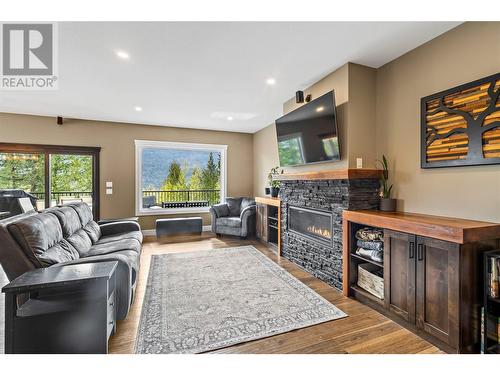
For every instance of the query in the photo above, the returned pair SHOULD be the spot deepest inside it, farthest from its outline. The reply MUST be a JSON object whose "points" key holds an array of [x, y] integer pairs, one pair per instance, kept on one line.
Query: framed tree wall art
{"points": [[461, 126]]}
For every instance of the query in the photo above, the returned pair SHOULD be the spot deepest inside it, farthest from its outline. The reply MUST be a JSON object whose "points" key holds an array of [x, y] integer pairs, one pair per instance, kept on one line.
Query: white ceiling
{"points": [[196, 75]]}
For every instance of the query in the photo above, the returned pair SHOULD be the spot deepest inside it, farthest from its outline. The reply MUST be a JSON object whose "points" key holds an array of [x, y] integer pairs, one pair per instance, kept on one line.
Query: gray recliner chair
{"points": [[235, 217]]}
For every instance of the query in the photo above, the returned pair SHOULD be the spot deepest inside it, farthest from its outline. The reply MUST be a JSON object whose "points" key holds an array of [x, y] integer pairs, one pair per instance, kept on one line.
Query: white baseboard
{"points": [[152, 232]]}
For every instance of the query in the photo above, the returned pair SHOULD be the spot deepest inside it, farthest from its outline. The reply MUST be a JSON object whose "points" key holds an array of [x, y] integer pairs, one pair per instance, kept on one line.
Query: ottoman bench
{"points": [[183, 225]]}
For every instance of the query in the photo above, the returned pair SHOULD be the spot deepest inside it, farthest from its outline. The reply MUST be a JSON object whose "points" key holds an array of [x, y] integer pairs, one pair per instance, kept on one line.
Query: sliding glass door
{"points": [[55, 175]]}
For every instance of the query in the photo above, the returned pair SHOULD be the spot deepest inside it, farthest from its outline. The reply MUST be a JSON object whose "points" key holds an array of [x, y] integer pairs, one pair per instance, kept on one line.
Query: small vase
{"points": [[275, 191], [268, 190], [388, 204]]}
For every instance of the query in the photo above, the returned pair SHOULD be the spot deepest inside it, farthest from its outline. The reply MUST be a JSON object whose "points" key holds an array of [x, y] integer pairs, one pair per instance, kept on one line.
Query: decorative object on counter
{"points": [[460, 126], [370, 244], [386, 202], [273, 183], [267, 190]]}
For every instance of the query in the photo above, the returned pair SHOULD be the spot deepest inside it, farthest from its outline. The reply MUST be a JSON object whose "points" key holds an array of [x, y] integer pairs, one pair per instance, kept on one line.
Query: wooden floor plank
{"points": [[363, 331]]}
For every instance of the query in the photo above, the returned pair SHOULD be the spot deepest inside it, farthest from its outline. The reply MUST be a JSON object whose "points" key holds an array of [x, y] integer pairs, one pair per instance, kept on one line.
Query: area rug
{"points": [[205, 300]]}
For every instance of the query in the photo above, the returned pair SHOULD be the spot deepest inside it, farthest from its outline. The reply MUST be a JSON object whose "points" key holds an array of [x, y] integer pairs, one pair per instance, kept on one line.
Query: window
{"points": [[179, 177], [54, 175]]}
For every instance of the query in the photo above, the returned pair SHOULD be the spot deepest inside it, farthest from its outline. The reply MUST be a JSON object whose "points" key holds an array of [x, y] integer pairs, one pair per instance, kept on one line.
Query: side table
{"points": [[61, 309]]}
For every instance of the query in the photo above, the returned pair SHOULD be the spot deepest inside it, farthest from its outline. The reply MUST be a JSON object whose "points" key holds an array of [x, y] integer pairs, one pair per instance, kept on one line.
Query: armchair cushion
{"points": [[234, 205], [221, 210], [230, 221]]}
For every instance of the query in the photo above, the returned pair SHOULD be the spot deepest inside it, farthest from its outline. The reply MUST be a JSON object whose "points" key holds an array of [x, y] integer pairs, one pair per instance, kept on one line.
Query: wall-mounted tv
{"points": [[309, 134]]}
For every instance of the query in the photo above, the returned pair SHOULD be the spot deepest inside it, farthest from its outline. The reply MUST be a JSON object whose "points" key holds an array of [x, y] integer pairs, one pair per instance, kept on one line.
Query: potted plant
{"points": [[386, 202], [274, 184]]}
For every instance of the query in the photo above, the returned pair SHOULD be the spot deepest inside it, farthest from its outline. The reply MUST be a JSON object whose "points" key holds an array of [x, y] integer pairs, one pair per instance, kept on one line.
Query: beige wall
{"points": [[361, 116], [338, 81], [118, 153], [265, 157], [354, 87], [468, 52]]}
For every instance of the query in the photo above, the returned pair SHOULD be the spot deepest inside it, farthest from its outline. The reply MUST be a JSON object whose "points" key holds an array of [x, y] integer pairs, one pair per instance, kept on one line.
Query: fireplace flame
{"points": [[319, 231]]}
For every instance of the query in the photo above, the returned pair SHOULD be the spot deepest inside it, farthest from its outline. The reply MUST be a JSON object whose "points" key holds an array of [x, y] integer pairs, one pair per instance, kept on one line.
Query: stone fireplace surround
{"points": [[333, 193]]}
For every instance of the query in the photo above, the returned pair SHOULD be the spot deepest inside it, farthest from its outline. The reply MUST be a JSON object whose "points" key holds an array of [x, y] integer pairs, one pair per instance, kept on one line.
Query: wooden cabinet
{"points": [[261, 222], [432, 273], [437, 289], [268, 221], [422, 284], [399, 274]]}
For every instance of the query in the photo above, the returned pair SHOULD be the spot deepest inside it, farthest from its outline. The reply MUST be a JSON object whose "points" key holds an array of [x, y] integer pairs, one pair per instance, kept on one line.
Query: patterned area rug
{"points": [[206, 300]]}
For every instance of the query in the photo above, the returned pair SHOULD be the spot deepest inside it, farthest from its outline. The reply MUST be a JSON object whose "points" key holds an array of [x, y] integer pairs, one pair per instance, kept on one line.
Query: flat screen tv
{"points": [[309, 134]]}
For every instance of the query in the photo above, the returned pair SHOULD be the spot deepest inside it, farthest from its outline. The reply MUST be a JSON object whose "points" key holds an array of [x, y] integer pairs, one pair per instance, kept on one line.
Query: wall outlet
{"points": [[109, 191], [359, 162], [109, 184]]}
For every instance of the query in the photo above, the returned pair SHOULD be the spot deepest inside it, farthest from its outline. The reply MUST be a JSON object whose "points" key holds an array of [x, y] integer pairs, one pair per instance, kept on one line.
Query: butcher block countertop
{"points": [[444, 228]]}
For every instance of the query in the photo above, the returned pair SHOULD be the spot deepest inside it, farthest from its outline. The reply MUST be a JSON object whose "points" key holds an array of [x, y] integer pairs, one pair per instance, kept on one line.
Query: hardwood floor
{"points": [[363, 331]]}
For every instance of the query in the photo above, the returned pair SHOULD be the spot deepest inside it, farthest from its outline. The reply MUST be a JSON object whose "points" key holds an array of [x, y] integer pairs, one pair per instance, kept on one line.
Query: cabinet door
{"points": [[438, 289], [261, 222], [399, 274]]}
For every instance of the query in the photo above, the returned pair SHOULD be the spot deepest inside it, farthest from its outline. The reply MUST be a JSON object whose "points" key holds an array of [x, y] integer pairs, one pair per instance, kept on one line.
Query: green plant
{"points": [[384, 180], [272, 182]]}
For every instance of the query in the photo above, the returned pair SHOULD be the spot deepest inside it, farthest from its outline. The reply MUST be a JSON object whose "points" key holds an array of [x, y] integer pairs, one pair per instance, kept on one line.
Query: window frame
{"points": [[47, 151], [140, 145]]}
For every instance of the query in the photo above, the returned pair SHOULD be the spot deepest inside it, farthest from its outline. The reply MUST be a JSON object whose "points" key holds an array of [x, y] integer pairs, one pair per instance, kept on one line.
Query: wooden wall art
{"points": [[461, 126]]}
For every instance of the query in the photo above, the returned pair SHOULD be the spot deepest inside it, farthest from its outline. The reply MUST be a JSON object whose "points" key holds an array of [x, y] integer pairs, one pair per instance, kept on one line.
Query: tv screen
{"points": [[309, 134]]}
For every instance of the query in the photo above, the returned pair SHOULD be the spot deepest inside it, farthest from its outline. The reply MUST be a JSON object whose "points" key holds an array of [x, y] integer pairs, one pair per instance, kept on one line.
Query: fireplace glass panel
{"points": [[310, 223]]}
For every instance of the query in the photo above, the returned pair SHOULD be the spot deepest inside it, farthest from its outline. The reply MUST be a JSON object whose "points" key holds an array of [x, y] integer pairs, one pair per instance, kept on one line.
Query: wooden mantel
{"points": [[332, 174]]}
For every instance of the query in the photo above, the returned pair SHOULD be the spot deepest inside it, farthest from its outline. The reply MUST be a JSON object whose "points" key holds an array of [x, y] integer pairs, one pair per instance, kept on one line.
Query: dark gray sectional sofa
{"points": [[68, 235]]}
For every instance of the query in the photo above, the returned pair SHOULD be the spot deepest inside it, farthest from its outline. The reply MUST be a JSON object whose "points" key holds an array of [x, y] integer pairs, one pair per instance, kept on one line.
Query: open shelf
{"points": [[367, 260], [360, 292]]}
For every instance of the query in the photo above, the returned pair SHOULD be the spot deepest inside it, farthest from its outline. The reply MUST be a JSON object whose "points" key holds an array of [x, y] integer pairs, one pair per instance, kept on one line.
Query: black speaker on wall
{"points": [[299, 97]]}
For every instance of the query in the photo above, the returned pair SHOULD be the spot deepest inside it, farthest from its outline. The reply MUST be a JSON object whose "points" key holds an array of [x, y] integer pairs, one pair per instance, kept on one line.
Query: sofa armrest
{"points": [[247, 218], [117, 227], [106, 221], [248, 211]]}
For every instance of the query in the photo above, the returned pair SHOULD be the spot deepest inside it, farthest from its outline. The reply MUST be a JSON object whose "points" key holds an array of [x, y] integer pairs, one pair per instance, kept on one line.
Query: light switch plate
{"points": [[109, 184], [109, 191], [359, 162]]}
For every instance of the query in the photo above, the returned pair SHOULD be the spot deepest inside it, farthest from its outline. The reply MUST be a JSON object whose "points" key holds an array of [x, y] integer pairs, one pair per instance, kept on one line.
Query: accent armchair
{"points": [[236, 217]]}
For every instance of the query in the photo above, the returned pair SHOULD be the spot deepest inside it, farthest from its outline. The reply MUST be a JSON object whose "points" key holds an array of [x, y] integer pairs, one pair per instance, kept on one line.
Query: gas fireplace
{"points": [[314, 224]]}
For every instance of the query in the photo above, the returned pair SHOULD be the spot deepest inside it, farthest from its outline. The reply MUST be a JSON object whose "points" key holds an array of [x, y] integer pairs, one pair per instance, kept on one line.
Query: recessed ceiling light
{"points": [[138, 109], [320, 109], [123, 55], [271, 81], [229, 118]]}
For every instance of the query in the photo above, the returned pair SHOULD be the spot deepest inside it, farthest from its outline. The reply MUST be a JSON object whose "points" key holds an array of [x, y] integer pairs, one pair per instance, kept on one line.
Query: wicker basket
{"points": [[369, 281]]}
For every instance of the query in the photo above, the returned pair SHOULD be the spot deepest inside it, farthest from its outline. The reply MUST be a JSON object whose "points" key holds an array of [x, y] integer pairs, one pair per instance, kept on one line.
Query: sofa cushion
{"points": [[84, 212], [114, 246], [81, 242], [93, 230], [136, 235], [232, 222], [68, 218], [234, 206], [36, 234], [221, 210], [62, 251]]}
